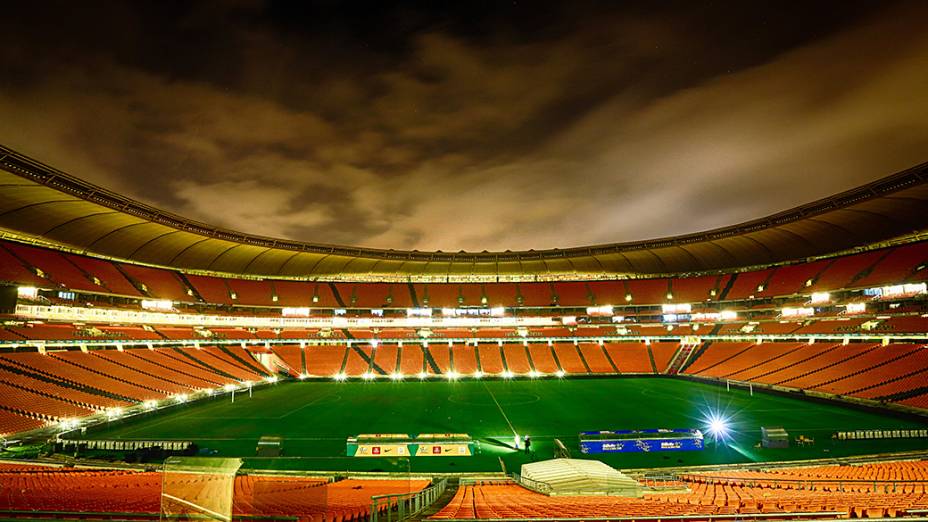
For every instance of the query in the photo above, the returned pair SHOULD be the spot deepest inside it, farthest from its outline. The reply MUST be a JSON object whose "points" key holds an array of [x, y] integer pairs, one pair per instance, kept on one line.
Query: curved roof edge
{"points": [[42, 202]]}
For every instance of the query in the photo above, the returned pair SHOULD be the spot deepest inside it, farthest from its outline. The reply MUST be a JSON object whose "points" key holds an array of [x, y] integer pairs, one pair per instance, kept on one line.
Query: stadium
{"points": [[157, 367]]}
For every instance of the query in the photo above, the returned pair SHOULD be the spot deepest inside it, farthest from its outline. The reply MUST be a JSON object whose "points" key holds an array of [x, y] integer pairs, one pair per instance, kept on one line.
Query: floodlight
{"points": [[855, 308], [229, 387], [181, 397], [560, 373], [396, 376], [820, 297], [271, 378], [452, 375], [150, 404], [112, 413], [27, 292], [534, 374], [340, 376], [507, 374], [367, 376], [478, 374], [717, 426], [303, 376], [422, 375]]}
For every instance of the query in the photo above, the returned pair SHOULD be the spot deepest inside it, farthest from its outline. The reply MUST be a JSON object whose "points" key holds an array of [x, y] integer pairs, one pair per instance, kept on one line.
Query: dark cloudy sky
{"points": [[468, 125]]}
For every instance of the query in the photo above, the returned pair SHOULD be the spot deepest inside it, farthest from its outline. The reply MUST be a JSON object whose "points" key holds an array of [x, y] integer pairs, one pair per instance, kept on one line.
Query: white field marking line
{"points": [[487, 388], [220, 516], [310, 403]]}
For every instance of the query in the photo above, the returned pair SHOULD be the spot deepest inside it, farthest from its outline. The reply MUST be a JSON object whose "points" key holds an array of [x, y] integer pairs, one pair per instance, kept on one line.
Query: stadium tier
{"points": [[46, 389], [30, 491], [44, 268], [349, 384]]}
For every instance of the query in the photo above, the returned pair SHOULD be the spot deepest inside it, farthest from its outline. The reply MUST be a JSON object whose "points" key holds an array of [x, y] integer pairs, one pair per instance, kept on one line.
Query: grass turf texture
{"points": [[314, 418]]}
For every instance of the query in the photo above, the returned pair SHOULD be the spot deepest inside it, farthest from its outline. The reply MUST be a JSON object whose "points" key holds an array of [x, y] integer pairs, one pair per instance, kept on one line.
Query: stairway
{"points": [[450, 491], [680, 358]]}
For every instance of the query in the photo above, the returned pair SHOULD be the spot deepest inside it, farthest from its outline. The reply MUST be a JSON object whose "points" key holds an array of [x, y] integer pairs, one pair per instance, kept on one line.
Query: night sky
{"points": [[468, 125]]}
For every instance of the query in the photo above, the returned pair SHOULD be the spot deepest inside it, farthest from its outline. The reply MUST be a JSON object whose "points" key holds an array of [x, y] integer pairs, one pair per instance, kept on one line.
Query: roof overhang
{"points": [[42, 203]]}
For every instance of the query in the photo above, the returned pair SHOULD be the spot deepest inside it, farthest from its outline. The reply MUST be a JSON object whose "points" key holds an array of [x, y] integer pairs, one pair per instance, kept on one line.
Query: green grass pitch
{"points": [[314, 418]]}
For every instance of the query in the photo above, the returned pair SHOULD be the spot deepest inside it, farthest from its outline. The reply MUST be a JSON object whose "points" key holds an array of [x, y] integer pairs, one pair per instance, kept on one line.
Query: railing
{"points": [[538, 487], [660, 481], [546, 489], [401, 506]]}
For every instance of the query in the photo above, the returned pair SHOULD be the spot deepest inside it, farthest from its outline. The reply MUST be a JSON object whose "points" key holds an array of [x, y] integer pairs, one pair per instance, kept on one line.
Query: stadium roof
{"points": [[40, 202]]}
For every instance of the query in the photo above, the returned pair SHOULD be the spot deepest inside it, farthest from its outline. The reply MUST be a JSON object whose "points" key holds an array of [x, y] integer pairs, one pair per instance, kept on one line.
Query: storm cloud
{"points": [[409, 128]]}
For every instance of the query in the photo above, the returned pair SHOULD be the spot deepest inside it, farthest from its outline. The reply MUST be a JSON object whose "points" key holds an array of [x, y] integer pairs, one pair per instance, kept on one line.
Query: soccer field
{"points": [[315, 418]]}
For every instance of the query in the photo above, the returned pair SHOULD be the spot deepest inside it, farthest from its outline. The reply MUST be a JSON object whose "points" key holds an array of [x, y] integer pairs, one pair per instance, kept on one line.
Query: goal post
{"points": [[199, 488]]}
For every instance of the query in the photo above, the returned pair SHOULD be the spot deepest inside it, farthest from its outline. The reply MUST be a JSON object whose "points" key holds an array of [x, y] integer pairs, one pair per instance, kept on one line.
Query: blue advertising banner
{"points": [[628, 441]]}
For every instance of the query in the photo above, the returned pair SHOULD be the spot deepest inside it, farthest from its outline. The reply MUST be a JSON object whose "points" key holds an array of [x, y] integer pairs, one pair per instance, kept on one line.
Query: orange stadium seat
{"points": [[630, 357], [324, 361], [491, 361], [386, 357], [160, 284], [542, 358], [465, 358], [696, 289], [746, 284], [516, 357], [412, 360], [896, 266], [107, 273], [596, 358], [441, 354], [569, 358]]}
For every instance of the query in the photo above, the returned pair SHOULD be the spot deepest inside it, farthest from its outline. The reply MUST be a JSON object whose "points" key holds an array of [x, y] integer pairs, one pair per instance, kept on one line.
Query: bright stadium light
{"points": [[507, 374], [717, 426], [478, 374], [271, 378], [422, 376], [229, 387], [150, 404], [452, 375], [534, 374], [728, 315], [303, 376], [68, 424], [367, 376], [396, 376], [340, 376], [560, 373], [113, 413], [855, 308], [820, 297], [27, 292]]}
